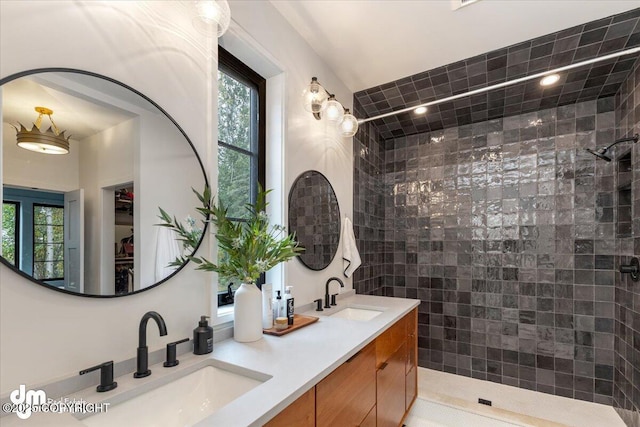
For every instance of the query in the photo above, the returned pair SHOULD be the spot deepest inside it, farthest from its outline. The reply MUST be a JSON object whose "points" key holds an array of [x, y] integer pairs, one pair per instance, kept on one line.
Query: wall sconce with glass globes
{"points": [[322, 104]]}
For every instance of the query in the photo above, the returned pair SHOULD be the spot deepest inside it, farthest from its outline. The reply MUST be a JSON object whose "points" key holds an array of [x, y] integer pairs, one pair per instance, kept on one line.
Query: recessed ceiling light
{"points": [[420, 110], [549, 80]]}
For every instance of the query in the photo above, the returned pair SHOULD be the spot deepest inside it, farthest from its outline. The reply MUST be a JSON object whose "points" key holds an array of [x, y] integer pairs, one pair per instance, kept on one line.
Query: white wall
{"points": [[152, 47], [306, 142], [106, 160]]}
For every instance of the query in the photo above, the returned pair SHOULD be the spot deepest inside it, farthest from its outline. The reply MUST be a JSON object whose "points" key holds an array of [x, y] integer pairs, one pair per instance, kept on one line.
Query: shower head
{"points": [[602, 153]]}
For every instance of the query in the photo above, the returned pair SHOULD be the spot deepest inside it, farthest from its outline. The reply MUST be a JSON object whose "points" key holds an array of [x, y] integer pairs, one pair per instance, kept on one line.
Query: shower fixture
{"points": [[633, 269], [602, 153]]}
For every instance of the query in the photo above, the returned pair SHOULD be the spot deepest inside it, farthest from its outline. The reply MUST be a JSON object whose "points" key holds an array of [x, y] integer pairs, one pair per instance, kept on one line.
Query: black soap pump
{"points": [[203, 337]]}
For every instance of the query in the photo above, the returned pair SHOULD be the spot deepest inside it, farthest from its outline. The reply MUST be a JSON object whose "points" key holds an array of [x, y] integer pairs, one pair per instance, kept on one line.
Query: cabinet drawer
{"points": [[389, 341], [370, 421], [346, 396], [301, 413]]}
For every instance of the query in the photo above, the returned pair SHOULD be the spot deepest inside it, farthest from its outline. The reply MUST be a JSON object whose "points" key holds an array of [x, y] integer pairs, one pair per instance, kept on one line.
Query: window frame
{"points": [[236, 69], [34, 243], [16, 236]]}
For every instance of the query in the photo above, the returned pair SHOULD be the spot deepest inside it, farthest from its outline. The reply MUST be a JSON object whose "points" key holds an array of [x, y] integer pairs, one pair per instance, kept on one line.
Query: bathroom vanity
{"points": [[355, 366], [374, 387]]}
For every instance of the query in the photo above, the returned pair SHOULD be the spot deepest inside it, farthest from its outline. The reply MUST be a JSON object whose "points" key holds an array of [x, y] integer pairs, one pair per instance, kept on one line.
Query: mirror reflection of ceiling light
{"points": [[213, 13], [318, 101], [549, 80], [52, 141], [420, 110]]}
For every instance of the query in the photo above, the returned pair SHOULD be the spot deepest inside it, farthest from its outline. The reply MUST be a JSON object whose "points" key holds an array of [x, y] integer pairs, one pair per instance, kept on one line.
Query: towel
{"points": [[167, 250], [350, 255]]}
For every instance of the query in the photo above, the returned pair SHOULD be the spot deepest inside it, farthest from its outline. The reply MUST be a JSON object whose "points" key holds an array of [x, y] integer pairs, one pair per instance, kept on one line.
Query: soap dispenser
{"points": [[203, 337]]}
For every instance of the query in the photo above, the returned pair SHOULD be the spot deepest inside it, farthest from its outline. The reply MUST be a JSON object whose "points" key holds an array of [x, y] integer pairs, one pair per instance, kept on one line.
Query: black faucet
{"points": [[171, 353], [326, 287], [106, 376], [143, 352]]}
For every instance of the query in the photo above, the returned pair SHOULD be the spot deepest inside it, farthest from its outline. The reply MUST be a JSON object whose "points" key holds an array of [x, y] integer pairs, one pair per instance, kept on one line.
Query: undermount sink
{"points": [[357, 313], [181, 402]]}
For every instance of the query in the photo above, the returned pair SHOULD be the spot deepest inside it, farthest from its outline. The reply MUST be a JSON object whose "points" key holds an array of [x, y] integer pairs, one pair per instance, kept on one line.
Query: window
{"points": [[241, 139], [10, 229], [48, 242]]}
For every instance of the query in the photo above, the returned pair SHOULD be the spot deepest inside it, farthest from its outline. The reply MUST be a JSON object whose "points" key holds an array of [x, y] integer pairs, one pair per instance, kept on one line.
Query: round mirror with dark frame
{"points": [[86, 163], [314, 215]]}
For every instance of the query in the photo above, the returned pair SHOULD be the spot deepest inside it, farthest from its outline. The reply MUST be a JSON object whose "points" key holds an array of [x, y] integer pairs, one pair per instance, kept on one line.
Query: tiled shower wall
{"points": [[504, 229], [627, 316], [368, 207]]}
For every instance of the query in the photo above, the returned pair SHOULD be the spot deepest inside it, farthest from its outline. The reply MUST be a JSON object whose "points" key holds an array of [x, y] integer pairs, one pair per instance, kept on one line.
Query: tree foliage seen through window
{"points": [[48, 242], [234, 131], [9, 223]]}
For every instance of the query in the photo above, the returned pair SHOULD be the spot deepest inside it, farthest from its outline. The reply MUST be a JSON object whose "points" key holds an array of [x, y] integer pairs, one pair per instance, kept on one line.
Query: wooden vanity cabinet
{"points": [[374, 388], [301, 413], [347, 395]]}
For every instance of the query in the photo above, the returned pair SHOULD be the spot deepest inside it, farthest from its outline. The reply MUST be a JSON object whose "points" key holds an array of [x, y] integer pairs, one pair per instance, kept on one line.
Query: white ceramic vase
{"points": [[247, 319]]}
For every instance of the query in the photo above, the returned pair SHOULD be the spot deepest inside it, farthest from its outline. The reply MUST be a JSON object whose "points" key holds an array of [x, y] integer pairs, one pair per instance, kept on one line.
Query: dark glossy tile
{"points": [[507, 231]]}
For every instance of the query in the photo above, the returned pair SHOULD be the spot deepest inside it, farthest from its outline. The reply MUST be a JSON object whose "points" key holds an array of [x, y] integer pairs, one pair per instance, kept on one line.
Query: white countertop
{"points": [[295, 362]]}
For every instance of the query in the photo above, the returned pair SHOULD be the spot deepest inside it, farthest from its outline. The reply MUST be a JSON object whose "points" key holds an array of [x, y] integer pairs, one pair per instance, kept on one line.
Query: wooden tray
{"points": [[299, 321]]}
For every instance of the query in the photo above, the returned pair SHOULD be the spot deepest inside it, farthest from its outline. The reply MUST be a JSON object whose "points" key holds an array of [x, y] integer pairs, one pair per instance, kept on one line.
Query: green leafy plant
{"points": [[248, 247]]}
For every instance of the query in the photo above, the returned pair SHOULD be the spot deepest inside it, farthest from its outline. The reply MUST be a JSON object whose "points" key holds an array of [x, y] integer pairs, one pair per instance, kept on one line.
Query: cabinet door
{"points": [[411, 387], [411, 321], [345, 397], [301, 413], [391, 390], [412, 358]]}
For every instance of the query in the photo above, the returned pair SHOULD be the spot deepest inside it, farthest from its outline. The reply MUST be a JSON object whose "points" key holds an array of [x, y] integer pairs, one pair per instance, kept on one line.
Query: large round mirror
{"points": [[314, 215], [79, 208]]}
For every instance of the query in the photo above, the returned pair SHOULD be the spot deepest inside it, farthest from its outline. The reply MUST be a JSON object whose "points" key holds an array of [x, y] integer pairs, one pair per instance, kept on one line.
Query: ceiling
{"points": [[570, 46], [369, 43], [82, 105]]}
